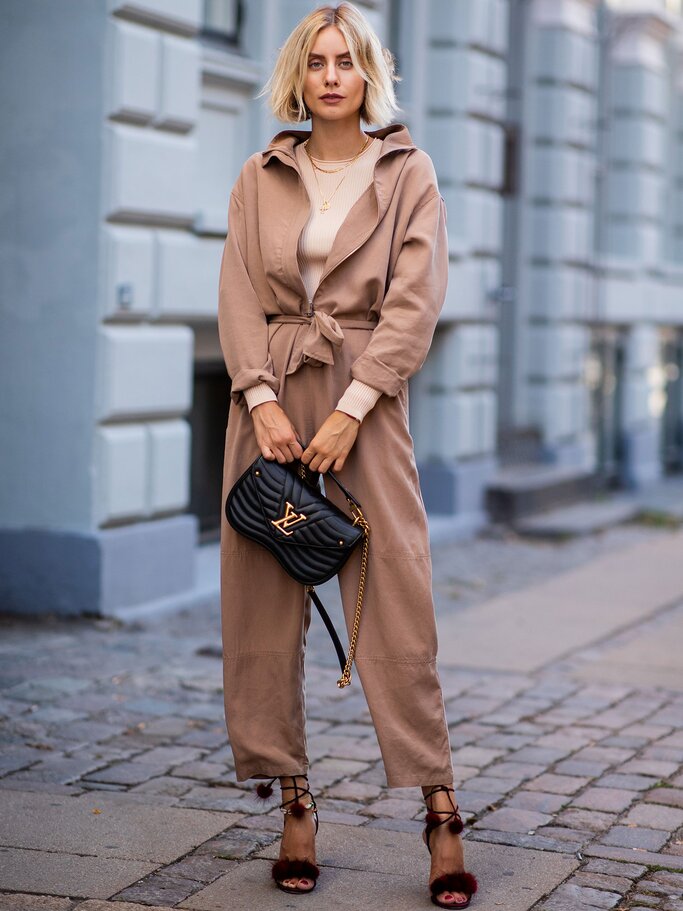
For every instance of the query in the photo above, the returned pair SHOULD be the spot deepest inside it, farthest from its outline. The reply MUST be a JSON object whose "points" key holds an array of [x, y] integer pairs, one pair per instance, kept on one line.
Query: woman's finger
{"points": [[325, 464]]}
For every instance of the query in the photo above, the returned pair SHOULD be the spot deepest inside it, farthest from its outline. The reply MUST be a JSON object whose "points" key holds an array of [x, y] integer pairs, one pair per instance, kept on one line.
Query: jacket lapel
{"points": [[366, 212]]}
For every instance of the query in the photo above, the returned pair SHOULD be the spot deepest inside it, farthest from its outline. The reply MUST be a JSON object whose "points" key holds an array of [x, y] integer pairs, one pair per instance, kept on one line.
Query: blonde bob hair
{"points": [[375, 63]]}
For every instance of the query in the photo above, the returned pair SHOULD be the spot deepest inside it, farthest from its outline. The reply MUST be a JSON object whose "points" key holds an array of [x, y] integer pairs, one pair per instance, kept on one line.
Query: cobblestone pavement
{"points": [[120, 726]]}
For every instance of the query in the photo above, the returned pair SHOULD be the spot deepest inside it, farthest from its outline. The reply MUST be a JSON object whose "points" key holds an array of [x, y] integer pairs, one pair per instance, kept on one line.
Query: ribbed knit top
{"points": [[342, 190], [321, 228]]}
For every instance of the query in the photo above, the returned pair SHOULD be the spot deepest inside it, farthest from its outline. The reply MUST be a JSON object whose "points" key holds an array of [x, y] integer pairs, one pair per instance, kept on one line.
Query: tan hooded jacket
{"points": [[388, 262]]}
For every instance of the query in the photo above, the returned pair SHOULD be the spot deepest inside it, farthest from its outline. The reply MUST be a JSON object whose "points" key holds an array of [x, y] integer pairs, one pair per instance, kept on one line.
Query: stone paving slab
{"points": [[573, 897], [22, 901], [635, 855], [250, 888], [74, 875], [526, 630], [123, 827], [115, 906], [648, 656], [380, 869]]}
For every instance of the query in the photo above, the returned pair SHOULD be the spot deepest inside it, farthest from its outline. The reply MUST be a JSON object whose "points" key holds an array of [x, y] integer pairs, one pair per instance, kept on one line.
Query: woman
{"points": [[333, 275]]}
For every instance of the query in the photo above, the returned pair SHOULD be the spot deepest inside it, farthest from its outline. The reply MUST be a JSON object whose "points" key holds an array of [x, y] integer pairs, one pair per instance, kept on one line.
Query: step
{"points": [[664, 497], [525, 490], [579, 519]]}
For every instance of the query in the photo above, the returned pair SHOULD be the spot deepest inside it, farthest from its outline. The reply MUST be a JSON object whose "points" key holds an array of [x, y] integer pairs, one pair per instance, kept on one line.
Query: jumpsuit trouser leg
{"points": [[265, 613]]}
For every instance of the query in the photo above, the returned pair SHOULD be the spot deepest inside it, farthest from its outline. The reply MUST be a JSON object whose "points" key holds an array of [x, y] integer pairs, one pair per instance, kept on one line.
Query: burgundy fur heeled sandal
{"points": [[450, 882], [283, 870]]}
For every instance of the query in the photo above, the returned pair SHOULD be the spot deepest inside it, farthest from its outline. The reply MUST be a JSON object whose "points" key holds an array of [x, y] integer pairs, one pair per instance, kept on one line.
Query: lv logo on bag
{"points": [[290, 518]]}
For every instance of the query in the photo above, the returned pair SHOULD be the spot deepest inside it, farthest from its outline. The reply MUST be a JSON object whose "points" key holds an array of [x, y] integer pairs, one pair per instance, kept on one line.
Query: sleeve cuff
{"points": [[256, 395], [358, 399]]}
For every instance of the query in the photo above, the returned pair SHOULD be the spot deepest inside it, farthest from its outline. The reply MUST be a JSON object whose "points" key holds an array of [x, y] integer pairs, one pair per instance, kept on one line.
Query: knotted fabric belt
{"points": [[316, 345]]}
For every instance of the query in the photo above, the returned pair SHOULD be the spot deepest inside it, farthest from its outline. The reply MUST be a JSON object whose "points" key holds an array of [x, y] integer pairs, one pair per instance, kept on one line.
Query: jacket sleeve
{"points": [[401, 339], [358, 399], [242, 324]]}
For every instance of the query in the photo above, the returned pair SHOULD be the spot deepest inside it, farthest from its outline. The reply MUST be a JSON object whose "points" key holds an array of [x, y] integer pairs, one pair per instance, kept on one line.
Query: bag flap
{"points": [[296, 513]]}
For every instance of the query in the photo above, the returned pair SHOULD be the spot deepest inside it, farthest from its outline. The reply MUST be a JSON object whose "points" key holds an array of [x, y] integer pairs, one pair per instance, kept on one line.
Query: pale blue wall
{"points": [[51, 60]]}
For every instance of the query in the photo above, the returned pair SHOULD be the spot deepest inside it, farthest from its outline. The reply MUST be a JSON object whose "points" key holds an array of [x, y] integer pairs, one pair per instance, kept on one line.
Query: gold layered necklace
{"points": [[326, 200]]}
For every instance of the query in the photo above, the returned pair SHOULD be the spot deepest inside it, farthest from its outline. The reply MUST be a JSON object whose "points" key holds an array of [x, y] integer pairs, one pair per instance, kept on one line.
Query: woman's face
{"points": [[330, 70]]}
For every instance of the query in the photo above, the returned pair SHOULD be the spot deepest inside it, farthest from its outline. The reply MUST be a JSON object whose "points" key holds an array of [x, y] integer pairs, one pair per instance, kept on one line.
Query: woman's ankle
{"points": [[293, 786], [435, 795], [288, 781]]}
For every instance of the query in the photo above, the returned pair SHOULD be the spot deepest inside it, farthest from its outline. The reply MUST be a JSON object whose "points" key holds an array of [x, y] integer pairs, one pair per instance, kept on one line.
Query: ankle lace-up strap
{"points": [[452, 817], [294, 806]]}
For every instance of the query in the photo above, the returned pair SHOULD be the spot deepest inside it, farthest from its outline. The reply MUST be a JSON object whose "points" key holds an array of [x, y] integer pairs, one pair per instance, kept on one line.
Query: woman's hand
{"points": [[332, 443], [275, 433]]}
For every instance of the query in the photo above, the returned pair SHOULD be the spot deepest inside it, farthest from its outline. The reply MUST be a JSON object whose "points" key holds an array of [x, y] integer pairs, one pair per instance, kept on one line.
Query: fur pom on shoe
{"points": [[297, 810], [301, 869], [295, 869], [264, 791], [454, 882], [433, 820]]}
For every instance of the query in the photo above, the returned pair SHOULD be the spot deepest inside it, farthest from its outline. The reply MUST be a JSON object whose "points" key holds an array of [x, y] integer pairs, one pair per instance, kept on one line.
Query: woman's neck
{"points": [[335, 141]]}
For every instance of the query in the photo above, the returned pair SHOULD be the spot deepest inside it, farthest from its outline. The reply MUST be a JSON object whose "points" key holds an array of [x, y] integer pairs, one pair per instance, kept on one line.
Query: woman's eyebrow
{"points": [[322, 56]]}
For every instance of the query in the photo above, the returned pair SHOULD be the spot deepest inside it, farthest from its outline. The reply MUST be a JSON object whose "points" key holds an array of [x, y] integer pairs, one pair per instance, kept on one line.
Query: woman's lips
{"points": [[328, 100]]}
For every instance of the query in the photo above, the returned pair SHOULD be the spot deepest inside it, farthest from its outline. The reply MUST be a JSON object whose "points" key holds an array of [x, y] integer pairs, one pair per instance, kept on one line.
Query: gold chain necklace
{"points": [[326, 202], [334, 170]]}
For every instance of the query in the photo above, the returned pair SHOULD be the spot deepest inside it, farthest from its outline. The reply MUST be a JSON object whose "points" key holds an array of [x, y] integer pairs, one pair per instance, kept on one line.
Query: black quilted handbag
{"points": [[282, 507]]}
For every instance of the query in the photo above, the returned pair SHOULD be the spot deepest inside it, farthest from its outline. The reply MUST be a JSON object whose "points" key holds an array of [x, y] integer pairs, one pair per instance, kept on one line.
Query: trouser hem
{"points": [[420, 781], [245, 776]]}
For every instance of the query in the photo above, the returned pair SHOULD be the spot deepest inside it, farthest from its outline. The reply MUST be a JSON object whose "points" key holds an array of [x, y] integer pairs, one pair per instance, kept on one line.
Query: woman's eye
{"points": [[314, 63]]}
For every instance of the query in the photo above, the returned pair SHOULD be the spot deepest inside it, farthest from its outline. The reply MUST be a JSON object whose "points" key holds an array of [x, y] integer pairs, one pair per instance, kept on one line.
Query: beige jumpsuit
{"points": [[265, 613]]}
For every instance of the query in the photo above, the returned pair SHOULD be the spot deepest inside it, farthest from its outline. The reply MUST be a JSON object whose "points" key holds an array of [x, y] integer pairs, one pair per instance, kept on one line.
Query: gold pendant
{"points": [[324, 206]]}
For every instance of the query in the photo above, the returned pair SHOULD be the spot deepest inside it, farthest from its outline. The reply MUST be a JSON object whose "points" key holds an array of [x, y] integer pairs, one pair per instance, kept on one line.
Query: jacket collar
{"points": [[395, 137], [363, 217]]}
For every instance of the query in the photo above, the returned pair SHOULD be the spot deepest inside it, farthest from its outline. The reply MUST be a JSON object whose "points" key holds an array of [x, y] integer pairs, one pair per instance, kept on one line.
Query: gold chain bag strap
{"points": [[282, 507], [358, 519]]}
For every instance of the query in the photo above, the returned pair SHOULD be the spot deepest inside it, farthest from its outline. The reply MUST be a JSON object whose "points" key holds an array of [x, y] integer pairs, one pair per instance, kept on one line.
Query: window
{"points": [[223, 20]]}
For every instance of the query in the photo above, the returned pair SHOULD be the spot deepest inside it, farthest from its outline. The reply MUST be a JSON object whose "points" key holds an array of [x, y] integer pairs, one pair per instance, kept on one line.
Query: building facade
{"points": [[556, 129]]}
